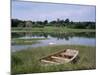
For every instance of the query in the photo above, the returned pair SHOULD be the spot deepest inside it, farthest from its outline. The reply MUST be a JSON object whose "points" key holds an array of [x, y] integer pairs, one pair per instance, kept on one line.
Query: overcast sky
{"points": [[50, 11]]}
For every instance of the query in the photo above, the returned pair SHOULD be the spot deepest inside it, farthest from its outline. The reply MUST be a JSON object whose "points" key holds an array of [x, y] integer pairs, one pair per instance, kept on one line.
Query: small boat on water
{"points": [[64, 56]]}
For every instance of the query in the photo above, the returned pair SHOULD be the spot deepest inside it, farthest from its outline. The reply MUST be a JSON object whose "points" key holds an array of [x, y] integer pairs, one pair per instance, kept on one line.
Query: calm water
{"points": [[87, 39]]}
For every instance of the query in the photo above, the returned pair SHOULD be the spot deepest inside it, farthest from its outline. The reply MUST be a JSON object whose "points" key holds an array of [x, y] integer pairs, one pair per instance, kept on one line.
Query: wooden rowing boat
{"points": [[64, 56]]}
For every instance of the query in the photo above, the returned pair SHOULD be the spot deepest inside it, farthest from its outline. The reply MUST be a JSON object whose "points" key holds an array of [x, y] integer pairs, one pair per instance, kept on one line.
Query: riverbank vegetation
{"points": [[16, 41], [51, 30], [55, 23], [27, 61], [57, 26]]}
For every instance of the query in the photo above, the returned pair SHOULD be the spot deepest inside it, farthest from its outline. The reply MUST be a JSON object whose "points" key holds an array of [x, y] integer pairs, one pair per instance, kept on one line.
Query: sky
{"points": [[38, 11]]}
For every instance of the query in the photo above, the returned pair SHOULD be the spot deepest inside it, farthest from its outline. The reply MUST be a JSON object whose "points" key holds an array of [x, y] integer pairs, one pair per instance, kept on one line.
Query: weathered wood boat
{"points": [[64, 56]]}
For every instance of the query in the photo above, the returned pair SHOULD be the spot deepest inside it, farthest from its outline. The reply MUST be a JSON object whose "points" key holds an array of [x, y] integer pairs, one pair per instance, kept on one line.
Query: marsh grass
{"points": [[27, 41], [52, 29], [31, 64]]}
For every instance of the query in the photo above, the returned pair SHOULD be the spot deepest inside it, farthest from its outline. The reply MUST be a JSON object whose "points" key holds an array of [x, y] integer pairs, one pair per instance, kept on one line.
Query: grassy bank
{"points": [[51, 29], [28, 61], [27, 41]]}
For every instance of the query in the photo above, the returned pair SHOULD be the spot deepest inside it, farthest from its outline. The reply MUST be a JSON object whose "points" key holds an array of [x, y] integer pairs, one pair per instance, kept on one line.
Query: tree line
{"points": [[55, 23]]}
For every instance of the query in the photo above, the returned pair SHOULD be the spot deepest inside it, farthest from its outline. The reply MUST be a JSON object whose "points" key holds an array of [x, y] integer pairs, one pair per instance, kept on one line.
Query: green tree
{"points": [[67, 20]]}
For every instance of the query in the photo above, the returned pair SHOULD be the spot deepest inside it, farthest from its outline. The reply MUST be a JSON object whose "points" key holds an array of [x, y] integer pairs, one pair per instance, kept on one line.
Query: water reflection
{"points": [[54, 35], [87, 39]]}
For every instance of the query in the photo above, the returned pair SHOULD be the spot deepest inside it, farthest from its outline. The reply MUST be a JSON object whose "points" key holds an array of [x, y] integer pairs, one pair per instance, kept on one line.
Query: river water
{"points": [[87, 39]]}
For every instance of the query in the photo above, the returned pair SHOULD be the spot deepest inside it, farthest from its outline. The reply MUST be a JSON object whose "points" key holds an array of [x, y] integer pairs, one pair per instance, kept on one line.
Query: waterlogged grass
{"points": [[28, 61], [51, 29], [27, 41]]}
